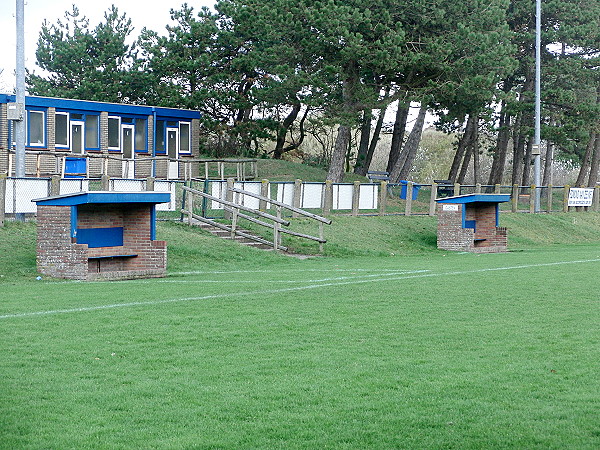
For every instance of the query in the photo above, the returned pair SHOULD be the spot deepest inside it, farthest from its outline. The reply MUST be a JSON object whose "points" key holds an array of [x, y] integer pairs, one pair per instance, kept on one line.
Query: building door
{"points": [[77, 129], [127, 134], [173, 151]]}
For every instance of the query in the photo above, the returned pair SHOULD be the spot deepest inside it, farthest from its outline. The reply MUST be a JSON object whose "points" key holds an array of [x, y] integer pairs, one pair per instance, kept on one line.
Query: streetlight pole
{"points": [[538, 75], [19, 125]]}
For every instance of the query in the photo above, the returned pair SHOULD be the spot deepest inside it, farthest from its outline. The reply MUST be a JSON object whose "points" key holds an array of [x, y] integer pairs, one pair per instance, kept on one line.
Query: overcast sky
{"points": [[143, 13]]}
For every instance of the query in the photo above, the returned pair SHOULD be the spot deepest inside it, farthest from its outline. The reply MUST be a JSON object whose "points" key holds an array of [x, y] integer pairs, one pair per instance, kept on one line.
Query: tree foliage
{"points": [[88, 63], [259, 70]]}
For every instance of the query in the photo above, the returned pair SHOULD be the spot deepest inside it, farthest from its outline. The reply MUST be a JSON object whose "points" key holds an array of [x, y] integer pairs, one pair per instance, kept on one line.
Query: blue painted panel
{"points": [[100, 237], [111, 108], [75, 167], [471, 224], [83, 198], [476, 198]]}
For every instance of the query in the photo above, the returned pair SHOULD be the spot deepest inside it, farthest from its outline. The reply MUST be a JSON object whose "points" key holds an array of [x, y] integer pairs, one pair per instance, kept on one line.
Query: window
{"points": [[61, 121], [92, 132], [140, 135], [114, 133], [184, 137], [160, 137], [37, 132]]}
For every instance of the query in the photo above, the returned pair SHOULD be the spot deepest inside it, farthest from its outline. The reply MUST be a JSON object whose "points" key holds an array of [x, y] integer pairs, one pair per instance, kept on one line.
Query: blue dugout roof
{"points": [[476, 198], [105, 197], [111, 108]]}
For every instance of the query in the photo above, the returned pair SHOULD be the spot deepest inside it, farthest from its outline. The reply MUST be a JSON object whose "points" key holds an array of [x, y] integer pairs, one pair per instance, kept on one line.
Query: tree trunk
{"points": [[374, 139], [475, 153], [472, 149], [366, 163], [465, 165], [406, 158], [338, 157], [593, 179], [398, 134], [547, 178], [499, 162], [463, 143], [363, 147], [412, 144], [282, 132], [518, 152], [527, 162], [586, 161]]}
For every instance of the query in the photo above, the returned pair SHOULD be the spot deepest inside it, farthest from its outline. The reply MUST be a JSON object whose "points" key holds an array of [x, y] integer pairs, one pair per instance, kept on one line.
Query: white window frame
{"points": [[119, 148], [131, 128], [189, 134], [27, 125], [176, 130], [61, 113], [80, 123]]}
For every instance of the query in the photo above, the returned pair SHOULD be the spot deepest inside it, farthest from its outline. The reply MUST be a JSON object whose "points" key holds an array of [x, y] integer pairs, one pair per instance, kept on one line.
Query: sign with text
{"points": [[450, 207], [580, 197]]}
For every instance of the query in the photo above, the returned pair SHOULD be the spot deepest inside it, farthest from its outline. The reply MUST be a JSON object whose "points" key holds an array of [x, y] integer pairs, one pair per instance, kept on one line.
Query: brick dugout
{"points": [[100, 235], [469, 223]]}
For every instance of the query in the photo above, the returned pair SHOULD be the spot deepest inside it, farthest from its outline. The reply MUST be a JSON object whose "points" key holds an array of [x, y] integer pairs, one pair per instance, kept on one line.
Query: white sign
{"points": [[449, 207], [580, 197]]}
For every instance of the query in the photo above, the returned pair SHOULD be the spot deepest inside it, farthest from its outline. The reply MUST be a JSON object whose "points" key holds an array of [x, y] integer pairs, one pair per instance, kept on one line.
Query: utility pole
{"points": [[20, 94], [537, 164]]}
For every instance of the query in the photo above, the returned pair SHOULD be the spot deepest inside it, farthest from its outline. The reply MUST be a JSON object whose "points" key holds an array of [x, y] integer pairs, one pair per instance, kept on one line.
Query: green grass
{"points": [[240, 348]]}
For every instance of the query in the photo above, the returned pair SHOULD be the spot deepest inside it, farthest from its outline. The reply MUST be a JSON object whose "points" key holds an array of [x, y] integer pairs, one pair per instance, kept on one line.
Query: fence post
{"points": [[478, 188], [189, 200], [264, 191], [532, 194], [327, 197], [549, 198], [355, 197], [234, 219], [566, 198], [55, 185], [296, 198], [383, 197], [228, 196], [2, 198], [150, 183], [409, 192], [321, 236], [276, 232], [456, 189], [596, 200], [432, 199], [105, 182], [497, 189], [514, 198]]}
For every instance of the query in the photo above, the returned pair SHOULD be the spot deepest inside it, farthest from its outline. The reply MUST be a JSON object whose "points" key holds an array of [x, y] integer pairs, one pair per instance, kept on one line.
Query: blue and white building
{"points": [[97, 138]]}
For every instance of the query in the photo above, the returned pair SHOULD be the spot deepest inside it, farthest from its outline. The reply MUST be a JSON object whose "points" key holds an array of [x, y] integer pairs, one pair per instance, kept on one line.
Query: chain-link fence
{"points": [[405, 198]]}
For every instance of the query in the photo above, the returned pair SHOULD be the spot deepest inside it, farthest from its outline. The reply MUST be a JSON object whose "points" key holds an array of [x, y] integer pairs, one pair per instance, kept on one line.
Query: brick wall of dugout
{"points": [[58, 256], [486, 239]]}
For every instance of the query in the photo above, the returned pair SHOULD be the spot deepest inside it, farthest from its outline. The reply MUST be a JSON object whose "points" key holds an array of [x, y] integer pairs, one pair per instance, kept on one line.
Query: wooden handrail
{"points": [[284, 205], [235, 209], [236, 206]]}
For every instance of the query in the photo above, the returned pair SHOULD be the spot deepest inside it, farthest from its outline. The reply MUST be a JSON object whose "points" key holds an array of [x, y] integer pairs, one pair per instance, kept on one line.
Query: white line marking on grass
{"points": [[284, 290], [404, 272], [225, 272]]}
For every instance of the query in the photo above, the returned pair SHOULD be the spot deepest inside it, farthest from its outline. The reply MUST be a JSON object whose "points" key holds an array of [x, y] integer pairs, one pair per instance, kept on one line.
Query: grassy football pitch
{"points": [[444, 350]]}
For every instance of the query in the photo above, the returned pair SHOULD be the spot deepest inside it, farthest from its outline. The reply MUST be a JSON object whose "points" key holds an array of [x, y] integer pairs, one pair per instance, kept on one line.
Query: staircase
{"points": [[239, 238]]}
